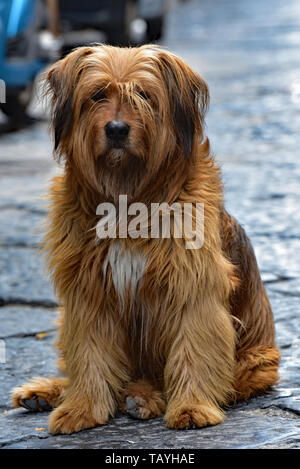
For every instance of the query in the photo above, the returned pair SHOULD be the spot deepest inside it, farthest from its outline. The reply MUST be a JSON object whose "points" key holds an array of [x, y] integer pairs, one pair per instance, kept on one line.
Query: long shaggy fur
{"points": [[196, 332]]}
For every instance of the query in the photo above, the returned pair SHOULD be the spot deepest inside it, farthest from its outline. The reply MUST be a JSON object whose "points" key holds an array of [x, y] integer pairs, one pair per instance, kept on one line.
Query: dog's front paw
{"points": [[72, 417], [193, 416], [39, 394]]}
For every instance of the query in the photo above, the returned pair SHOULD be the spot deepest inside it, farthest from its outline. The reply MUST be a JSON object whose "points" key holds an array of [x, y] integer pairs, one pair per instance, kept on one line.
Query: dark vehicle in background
{"points": [[36, 32], [153, 12], [115, 18]]}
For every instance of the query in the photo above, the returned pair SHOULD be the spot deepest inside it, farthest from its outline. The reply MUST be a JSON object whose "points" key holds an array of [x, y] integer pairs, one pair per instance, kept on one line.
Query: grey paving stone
{"points": [[287, 322], [23, 277], [277, 255], [26, 191], [242, 429], [20, 227], [291, 287], [35, 146], [21, 321]]}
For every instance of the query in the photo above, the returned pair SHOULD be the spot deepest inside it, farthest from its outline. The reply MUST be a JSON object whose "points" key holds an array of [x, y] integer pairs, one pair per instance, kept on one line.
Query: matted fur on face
{"points": [[147, 326]]}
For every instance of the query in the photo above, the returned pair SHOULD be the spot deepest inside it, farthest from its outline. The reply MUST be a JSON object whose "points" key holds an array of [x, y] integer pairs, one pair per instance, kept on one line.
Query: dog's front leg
{"points": [[200, 365], [97, 367]]}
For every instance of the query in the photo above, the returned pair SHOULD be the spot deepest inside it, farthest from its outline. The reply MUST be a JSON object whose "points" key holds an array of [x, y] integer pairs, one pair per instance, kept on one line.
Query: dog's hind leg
{"points": [[40, 394], [257, 358], [142, 400], [256, 371]]}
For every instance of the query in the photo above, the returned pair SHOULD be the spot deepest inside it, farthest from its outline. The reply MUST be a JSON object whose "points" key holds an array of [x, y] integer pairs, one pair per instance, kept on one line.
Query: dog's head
{"points": [[115, 108]]}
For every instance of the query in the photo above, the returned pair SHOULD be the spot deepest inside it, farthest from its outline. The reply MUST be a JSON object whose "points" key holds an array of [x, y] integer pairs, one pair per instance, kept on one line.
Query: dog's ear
{"points": [[188, 97], [61, 80]]}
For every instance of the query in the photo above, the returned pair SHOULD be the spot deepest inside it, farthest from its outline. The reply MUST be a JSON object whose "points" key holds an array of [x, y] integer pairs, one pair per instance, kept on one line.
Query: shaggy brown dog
{"points": [[148, 326]]}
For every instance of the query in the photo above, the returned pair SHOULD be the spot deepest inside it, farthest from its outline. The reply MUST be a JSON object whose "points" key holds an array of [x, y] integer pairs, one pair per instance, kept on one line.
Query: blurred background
{"points": [[248, 52], [36, 32]]}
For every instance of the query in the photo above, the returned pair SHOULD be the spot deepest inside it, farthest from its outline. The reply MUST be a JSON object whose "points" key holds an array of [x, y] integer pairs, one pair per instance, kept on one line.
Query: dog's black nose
{"points": [[116, 130]]}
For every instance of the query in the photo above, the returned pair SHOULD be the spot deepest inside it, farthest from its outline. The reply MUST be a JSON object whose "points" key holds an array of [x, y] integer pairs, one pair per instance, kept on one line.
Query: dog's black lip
{"points": [[117, 145]]}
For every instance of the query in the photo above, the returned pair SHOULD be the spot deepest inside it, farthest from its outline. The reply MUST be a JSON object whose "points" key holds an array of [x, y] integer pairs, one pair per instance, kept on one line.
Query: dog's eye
{"points": [[98, 96], [143, 94]]}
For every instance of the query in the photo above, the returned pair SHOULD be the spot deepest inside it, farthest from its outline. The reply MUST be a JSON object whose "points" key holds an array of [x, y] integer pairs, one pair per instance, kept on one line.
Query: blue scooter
{"points": [[19, 58]]}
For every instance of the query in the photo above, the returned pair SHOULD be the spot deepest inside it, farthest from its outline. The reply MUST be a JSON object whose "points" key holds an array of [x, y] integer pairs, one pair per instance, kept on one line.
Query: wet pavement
{"points": [[248, 52]]}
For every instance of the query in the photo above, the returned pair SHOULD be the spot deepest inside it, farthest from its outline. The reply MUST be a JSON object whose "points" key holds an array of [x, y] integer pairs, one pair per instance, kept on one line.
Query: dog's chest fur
{"points": [[127, 268]]}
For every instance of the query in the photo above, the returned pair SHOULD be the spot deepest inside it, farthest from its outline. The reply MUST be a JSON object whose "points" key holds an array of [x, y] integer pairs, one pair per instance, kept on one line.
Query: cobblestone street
{"points": [[248, 52]]}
